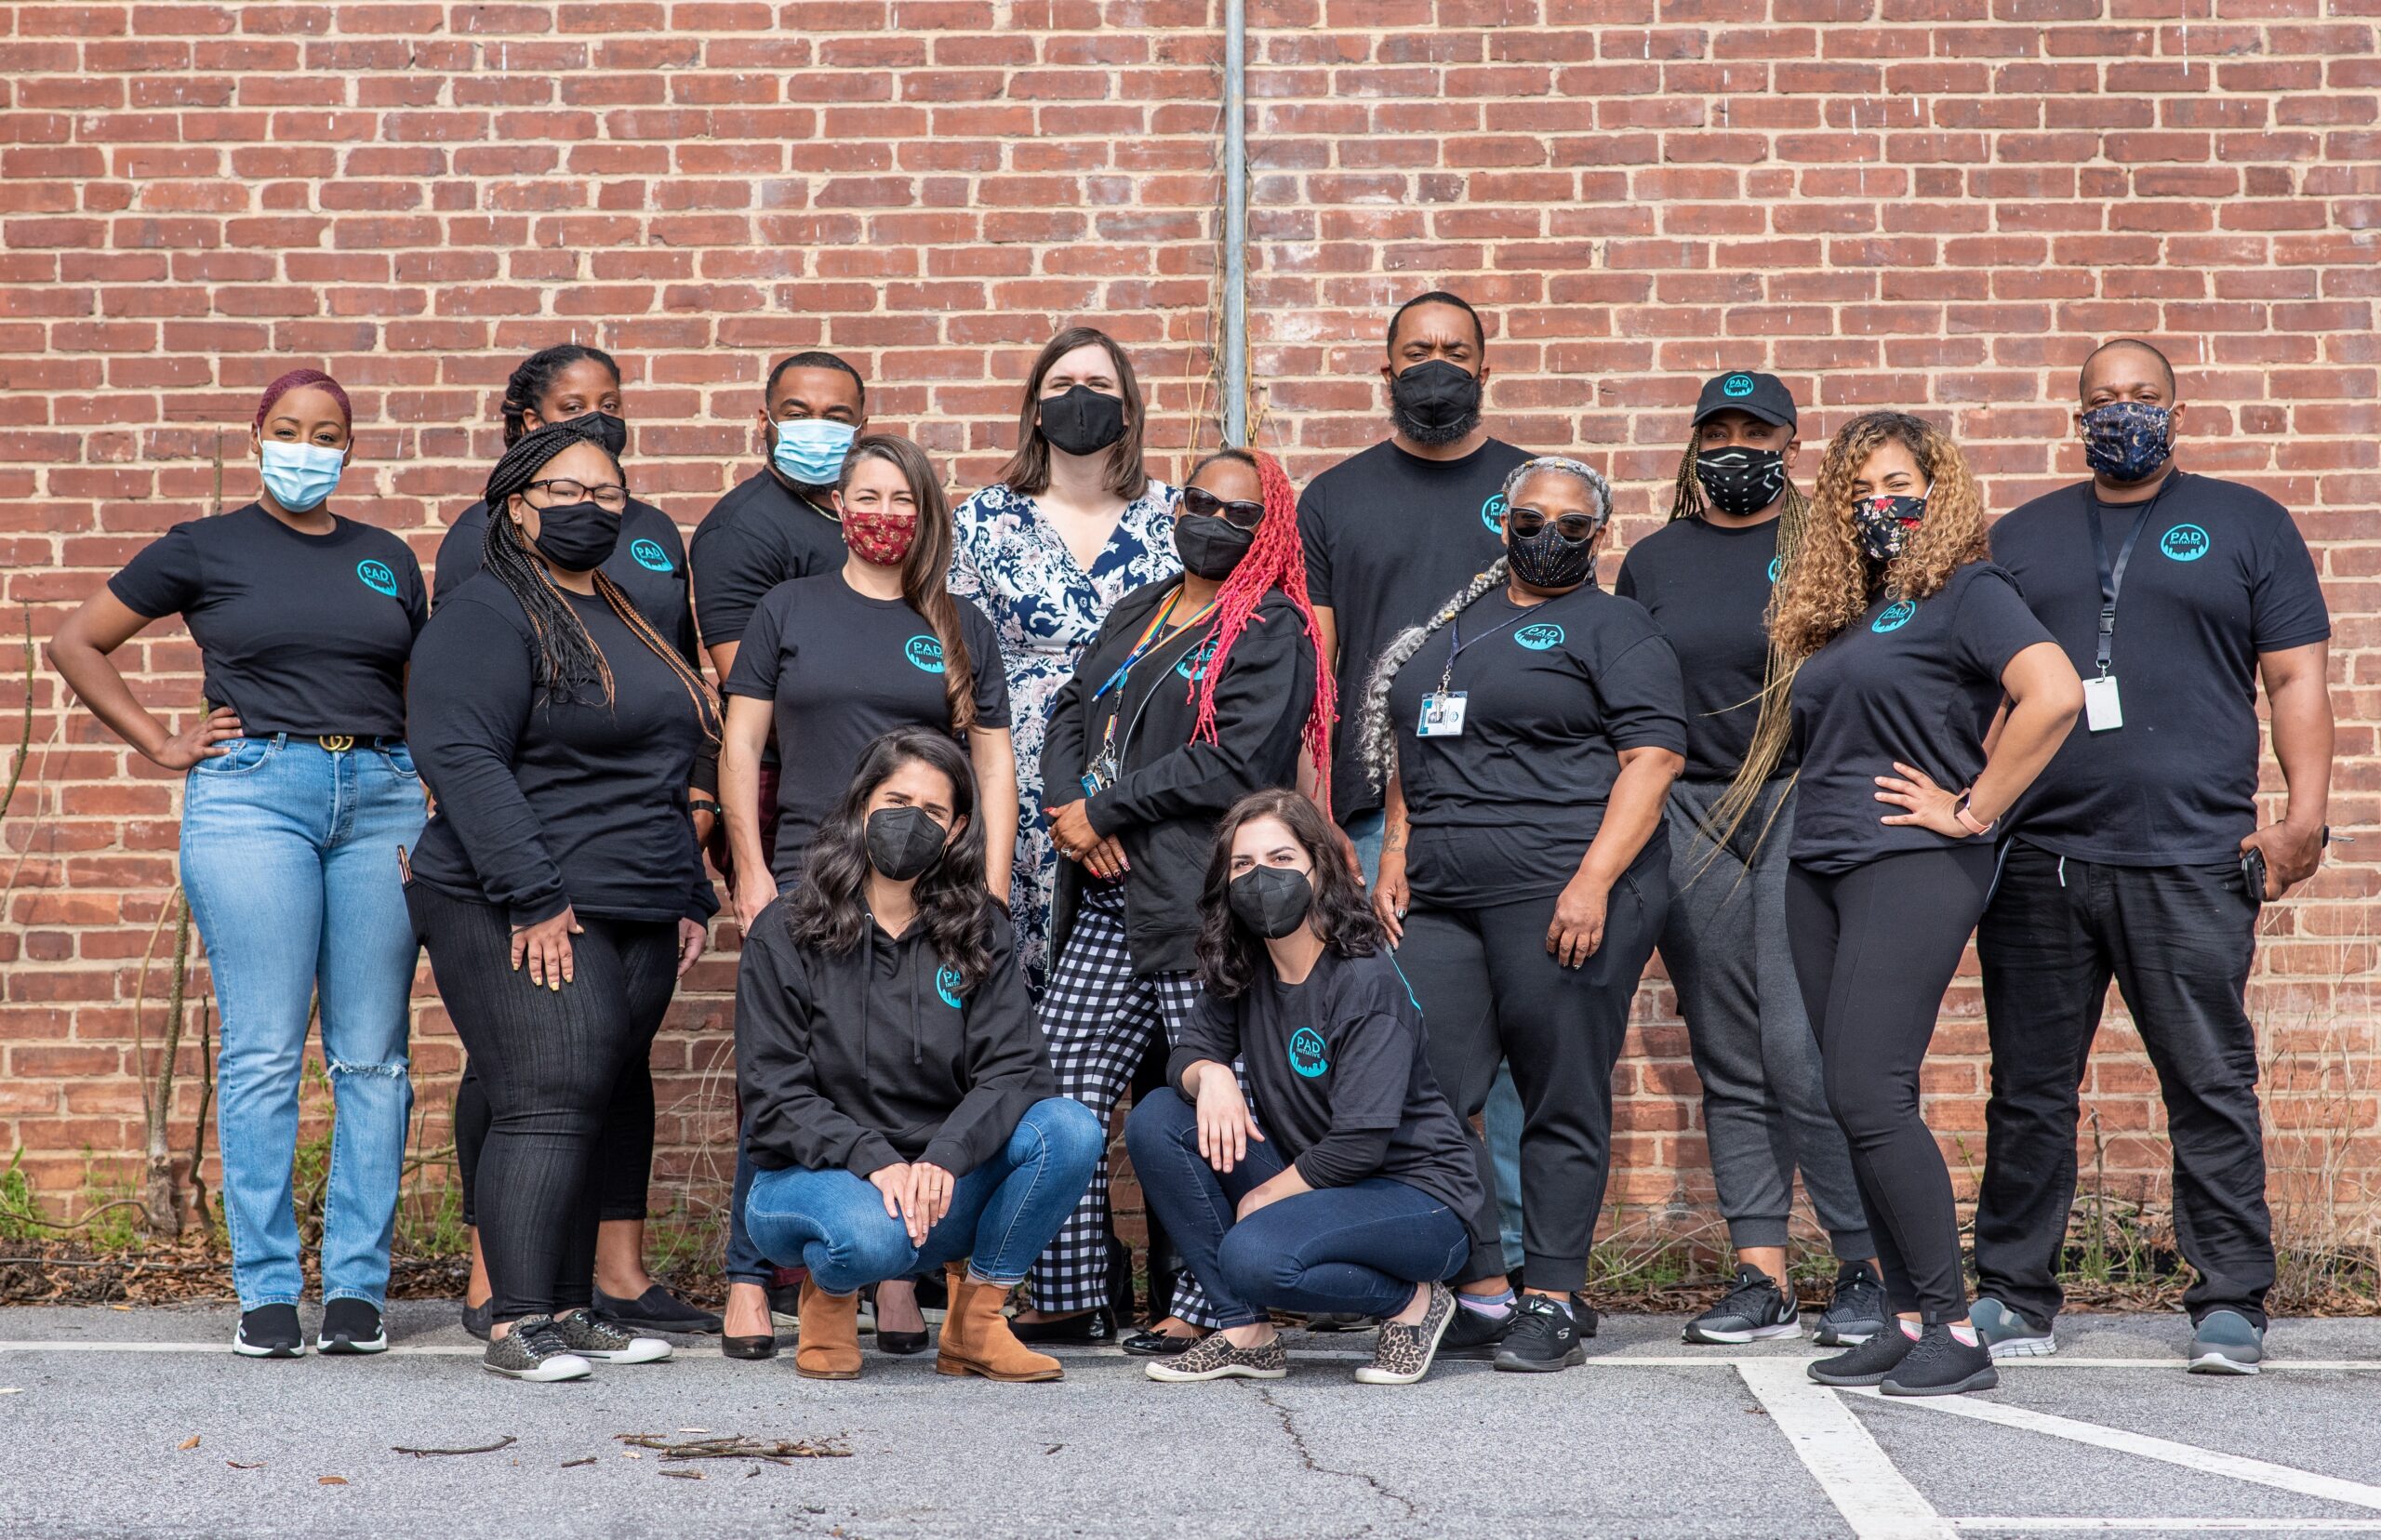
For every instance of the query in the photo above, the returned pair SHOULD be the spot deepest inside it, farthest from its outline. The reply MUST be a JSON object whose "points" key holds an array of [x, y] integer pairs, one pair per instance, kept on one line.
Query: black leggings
{"points": [[623, 1146], [1490, 992], [550, 1061], [1874, 949]]}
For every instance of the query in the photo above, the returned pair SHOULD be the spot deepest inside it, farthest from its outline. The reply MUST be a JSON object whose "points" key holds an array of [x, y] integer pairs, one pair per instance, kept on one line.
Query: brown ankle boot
{"points": [[828, 1347], [975, 1338]]}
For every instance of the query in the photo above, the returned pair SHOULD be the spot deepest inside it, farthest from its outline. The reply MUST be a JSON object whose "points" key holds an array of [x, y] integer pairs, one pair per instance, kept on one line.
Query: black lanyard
{"points": [[1455, 636], [2112, 578]]}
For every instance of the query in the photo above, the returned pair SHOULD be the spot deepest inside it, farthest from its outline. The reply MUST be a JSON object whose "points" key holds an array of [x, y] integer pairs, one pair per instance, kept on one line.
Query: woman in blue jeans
{"points": [[897, 1097], [299, 802], [1349, 1187]]}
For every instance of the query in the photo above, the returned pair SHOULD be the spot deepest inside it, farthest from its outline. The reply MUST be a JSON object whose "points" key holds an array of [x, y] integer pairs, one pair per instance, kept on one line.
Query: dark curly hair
{"points": [[1228, 952], [830, 911]]}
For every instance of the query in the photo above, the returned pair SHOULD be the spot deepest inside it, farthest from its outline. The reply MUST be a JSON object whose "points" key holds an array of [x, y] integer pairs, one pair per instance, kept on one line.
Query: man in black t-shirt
{"points": [[2137, 854]]}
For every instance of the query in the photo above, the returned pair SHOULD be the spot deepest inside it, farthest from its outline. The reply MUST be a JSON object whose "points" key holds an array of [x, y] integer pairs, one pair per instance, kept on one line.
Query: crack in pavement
{"points": [[1305, 1457]]}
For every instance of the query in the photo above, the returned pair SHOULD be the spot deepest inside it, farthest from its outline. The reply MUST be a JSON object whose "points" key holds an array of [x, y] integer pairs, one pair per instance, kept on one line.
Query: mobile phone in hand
{"points": [[2253, 872]]}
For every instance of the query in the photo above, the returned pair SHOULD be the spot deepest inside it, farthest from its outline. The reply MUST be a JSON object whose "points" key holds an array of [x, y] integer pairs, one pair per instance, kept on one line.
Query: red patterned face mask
{"points": [[883, 538]]}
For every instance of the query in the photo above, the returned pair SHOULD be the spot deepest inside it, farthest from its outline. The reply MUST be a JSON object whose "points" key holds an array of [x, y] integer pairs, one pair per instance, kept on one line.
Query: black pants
{"points": [[1874, 949], [550, 1061], [2179, 941], [623, 1146], [1489, 992]]}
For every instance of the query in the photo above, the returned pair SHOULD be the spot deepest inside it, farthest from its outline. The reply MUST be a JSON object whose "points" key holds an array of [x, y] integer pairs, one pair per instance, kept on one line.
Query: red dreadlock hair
{"points": [[1276, 559]]}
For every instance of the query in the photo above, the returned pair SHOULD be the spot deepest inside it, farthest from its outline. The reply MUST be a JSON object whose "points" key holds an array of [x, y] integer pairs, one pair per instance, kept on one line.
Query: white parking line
{"points": [[1875, 1498], [2173, 1526]]}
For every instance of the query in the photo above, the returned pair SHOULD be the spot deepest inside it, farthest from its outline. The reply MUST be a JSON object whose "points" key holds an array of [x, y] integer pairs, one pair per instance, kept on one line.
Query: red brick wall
{"points": [[1937, 203]]}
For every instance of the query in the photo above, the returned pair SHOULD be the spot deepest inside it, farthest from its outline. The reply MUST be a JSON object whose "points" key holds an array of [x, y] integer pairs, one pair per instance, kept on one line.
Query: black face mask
{"points": [[611, 432], [1547, 561], [1082, 420], [1273, 901], [1435, 402], [903, 843], [578, 536], [1742, 482], [1210, 548]]}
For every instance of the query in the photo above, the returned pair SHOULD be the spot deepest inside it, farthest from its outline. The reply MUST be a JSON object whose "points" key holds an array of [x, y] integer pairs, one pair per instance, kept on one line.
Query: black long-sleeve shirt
{"points": [[1340, 1077], [879, 1056], [545, 804]]}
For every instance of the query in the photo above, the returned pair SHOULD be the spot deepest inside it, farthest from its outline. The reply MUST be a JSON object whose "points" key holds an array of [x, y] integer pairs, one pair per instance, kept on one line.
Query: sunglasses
{"points": [[1528, 523], [1240, 515]]}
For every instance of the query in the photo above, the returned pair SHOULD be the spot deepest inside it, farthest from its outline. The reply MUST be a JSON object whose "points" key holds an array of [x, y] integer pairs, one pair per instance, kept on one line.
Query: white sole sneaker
{"points": [[339, 1349], [2216, 1363], [642, 1350], [1758, 1334], [562, 1366], [247, 1349], [2026, 1347]]}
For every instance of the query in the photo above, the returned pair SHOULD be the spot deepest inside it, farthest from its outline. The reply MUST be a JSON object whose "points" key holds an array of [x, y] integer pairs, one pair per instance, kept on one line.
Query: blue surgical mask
{"points": [[810, 450], [301, 475]]}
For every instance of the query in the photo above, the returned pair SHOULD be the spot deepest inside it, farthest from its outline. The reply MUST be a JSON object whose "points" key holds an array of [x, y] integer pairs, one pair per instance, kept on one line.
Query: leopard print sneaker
{"points": [[1403, 1354], [1212, 1357]]}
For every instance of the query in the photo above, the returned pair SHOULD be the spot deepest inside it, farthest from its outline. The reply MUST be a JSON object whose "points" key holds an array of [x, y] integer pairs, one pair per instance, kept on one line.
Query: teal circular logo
{"points": [[2185, 542], [1194, 662], [1493, 510], [1306, 1053], [376, 577], [1894, 616], [649, 555], [1736, 386], [946, 984], [924, 652], [1537, 638], [1776, 565]]}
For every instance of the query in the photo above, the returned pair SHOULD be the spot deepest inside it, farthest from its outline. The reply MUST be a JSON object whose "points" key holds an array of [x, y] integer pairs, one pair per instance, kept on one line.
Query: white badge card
{"points": [[1442, 715], [2102, 710]]}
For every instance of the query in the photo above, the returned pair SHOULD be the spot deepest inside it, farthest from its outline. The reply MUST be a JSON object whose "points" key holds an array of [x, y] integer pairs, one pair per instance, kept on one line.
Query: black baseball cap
{"points": [[1764, 395]]}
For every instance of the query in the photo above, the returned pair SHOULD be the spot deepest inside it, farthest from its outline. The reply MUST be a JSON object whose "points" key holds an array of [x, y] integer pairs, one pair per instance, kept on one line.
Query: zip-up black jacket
{"points": [[860, 1061], [1165, 803]]}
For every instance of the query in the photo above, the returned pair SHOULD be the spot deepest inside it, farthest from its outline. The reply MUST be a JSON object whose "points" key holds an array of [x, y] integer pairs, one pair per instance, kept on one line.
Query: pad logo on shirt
{"points": [[946, 984], [1493, 510], [1736, 386], [376, 577], [1894, 616], [2185, 542], [1537, 638], [649, 555], [924, 652], [1776, 565], [1306, 1053], [1195, 663]]}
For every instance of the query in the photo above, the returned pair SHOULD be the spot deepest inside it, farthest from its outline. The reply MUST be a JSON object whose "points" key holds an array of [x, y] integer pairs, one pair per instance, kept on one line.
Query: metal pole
{"points": [[1235, 320]]}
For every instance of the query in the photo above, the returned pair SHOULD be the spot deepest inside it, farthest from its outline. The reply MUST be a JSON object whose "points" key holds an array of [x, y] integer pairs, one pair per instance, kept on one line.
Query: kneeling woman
{"points": [[897, 1097], [1359, 1199]]}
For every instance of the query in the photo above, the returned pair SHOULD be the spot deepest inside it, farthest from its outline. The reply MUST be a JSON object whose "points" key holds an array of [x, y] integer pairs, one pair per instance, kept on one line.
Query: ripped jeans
{"points": [[289, 859]]}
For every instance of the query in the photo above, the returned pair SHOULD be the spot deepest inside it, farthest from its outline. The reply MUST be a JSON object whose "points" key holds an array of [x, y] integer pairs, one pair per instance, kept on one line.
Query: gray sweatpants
{"points": [[1764, 1106]]}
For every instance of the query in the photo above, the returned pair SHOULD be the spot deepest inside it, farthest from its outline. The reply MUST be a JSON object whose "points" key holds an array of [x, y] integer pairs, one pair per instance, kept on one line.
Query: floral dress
{"points": [[1046, 607]]}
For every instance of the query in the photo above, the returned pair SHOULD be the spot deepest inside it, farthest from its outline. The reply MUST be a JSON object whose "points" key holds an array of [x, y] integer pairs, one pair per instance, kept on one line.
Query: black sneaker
{"points": [[1869, 1362], [1473, 1337], [1754, 1310], [352, 1326], [269, 1331], [478, 1317], [1940, 1364], [656, 1309], [1544, 1339], [534, 1350], [1858, 1311]]}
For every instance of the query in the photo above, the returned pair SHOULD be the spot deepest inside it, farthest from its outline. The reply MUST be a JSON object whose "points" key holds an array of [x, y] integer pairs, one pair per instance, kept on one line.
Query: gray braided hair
{"points": [[1377, 745]]}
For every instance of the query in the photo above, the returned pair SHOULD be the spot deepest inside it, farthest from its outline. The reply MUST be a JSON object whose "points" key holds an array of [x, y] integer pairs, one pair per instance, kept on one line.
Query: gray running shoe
{"points": [[1755, 1309], [591, 1336], [534, 1350], [1857, 1310], [2225, 1342], [1403, 1354], [1212, 1357], [2009, 1334]]}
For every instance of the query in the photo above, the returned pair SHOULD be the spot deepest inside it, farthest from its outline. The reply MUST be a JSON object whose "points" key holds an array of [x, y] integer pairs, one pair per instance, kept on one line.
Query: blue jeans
{"points": [[289, 859], [1002, 1214], [1501, 1117], [1357, 1250]]}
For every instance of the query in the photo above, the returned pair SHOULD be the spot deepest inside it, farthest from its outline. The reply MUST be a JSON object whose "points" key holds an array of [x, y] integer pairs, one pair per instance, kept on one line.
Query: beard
{"points": [[1425, 433]]}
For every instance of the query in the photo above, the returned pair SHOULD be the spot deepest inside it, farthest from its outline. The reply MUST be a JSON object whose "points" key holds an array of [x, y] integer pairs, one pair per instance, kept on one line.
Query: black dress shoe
{"points": [[900, 1344], [748, 1346], [656, 1309], [1095, 1328], [1157, 1345]]}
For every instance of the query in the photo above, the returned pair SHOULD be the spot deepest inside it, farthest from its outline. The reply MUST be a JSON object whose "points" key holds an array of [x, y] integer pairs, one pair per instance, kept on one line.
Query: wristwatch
{"points": [[1968, 820]]}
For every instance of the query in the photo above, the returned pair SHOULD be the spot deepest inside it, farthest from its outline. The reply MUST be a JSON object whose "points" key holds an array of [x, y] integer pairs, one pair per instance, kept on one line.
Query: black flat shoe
{"points": [[1095, 1328], [900, 1344], [1157, 1345], [748, 1346], [656, 1309]]}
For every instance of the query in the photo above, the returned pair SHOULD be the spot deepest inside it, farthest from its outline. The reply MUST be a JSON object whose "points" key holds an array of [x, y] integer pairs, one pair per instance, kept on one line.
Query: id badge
{"points": [[2103, 713], [1442, 714]]}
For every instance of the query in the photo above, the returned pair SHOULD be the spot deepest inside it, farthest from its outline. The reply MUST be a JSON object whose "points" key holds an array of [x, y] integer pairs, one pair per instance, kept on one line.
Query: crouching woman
{"points": [[901, 1104], [1346, 1187]]}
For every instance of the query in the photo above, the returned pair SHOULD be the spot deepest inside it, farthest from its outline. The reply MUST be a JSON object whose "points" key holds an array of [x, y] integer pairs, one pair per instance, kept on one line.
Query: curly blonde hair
{"points": [[1832, 579]]}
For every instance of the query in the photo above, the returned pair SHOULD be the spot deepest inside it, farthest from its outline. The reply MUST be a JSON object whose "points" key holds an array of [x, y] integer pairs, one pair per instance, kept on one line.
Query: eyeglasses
{"points": [[1528, 523], [610, 496], [1240, 515]]}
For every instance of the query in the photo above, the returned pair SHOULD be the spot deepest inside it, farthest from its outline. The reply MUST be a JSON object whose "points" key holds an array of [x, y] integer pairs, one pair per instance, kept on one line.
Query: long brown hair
{"points": [[1028, 470], [925, 571]]}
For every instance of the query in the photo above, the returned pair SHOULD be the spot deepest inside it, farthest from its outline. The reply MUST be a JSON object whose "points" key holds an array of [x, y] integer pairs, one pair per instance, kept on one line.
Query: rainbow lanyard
{"points": [[1102, 770]]}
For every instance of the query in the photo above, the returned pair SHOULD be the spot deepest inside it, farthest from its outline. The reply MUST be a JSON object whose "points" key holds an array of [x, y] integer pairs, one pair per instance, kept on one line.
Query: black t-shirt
{"points": [[1707, 585], [1340, 1077], [758, 536], [2219, 576], [1553, 692], [299, 633], [1390, 538], [1917, 682], [544, 802], [843, 670], [649, 564]]}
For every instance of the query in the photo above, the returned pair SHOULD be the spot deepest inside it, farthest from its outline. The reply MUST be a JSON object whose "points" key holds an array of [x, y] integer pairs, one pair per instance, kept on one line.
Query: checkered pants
{"points": [[1100, 1019]]}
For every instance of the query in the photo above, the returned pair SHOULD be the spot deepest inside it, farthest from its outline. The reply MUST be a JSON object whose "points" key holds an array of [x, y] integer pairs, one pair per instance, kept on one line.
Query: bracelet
{"points": [[1968, 820], [701, 804]]}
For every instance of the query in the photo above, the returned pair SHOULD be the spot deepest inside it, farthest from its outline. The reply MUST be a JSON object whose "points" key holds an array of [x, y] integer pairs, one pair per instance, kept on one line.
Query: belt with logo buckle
{"points": [[338, 743]]}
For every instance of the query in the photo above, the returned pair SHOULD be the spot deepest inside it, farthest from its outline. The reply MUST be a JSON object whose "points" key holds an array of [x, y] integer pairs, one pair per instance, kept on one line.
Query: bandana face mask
{"points": [[883, 538], [1742, 482], [2126, 441], [1883, 525]]}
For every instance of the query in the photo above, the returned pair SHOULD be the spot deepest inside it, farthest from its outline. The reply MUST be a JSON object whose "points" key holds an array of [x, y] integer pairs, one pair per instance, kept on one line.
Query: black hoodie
{"points": [[877, 1057], [1164, 804]]}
